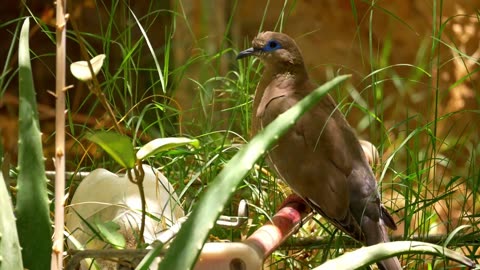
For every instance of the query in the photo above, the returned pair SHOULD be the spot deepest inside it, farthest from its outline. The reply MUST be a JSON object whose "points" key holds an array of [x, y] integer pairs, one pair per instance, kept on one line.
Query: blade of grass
{"points": [[150, 47]]}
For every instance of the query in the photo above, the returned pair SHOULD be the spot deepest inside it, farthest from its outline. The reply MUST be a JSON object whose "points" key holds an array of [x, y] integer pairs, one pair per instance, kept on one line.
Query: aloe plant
{"points": [[11, 257], [33, 220], [368, 255]]}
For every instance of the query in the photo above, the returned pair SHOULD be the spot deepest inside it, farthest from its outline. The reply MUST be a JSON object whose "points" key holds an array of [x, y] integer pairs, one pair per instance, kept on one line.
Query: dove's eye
{"points": [[272, 45]]}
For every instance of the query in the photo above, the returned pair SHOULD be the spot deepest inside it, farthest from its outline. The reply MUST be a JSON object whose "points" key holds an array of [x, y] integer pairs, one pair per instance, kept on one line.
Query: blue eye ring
{"points": [[272, 45]]}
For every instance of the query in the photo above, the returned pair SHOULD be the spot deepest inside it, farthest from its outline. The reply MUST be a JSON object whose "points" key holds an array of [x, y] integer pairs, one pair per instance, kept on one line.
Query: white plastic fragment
{"points": [[81, 71], [105, 196]]}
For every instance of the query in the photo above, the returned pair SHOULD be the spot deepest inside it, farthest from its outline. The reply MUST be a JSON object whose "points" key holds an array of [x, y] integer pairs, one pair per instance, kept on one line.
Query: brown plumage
{"points": [[320, 157]]}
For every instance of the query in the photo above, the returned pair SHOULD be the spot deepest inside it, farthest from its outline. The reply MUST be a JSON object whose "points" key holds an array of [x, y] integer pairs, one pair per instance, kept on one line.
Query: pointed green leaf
{"points": [[110, 233], [368, 255], [32, 207], [164, 144], [9, 245], [118, 146]]}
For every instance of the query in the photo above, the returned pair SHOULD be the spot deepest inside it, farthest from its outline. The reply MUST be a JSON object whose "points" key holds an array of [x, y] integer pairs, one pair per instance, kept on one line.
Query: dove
{"points": [[320, 157]]}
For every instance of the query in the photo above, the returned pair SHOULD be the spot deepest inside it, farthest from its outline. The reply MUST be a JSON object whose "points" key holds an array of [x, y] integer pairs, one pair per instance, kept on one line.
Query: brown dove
{"points": [[320, 157]]}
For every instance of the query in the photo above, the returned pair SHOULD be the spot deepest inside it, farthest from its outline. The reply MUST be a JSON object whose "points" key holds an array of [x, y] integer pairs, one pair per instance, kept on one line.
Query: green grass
{"points": [[429, 172]]}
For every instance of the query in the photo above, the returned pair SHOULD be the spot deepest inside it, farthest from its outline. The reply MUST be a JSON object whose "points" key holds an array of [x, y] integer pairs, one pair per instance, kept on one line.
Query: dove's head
{"points": [[274, 49]]}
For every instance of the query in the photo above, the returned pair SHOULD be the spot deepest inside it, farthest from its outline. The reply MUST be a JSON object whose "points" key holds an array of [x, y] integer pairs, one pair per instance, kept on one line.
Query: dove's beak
{"points": [[246, 53]]}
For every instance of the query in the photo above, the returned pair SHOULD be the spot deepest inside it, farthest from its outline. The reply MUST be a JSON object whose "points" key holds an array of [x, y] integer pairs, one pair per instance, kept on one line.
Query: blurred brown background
{"points": [[333, 36]]}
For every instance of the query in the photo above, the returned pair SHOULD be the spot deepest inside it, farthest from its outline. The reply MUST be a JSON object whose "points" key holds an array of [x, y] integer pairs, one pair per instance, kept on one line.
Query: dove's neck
{"points": [[292, 77], [298, 71]]}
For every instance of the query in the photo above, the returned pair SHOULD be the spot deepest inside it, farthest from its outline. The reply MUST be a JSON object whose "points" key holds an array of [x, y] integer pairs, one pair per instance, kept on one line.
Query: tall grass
{"points": [[429, 174]]}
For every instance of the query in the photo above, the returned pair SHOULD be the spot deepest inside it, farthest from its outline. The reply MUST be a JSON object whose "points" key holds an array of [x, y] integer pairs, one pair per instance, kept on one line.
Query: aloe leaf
{"points": [[368, 255], [32, 206], [118, 146], [9, 244], [186, 247]]}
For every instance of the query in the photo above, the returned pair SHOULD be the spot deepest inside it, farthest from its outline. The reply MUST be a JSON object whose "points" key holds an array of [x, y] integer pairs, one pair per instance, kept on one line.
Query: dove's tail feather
{"points": [[387, 218], [375, 233]]}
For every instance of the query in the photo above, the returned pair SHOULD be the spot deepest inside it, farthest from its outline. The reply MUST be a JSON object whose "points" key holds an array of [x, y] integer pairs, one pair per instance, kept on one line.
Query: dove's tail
{"points": [[375, 233]]}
